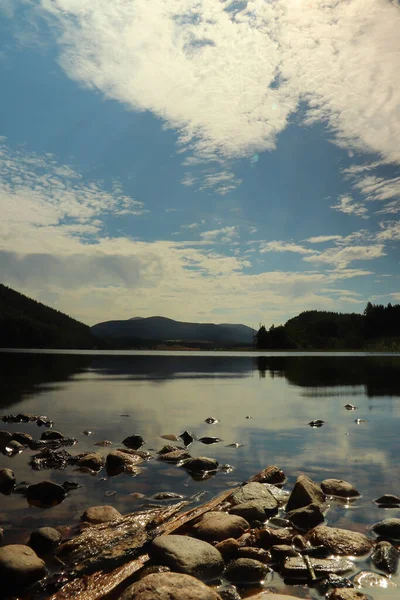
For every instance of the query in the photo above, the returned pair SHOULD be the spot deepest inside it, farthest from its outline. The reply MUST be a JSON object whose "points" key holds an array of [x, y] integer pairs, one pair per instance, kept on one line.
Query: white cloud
{"points": [[321, 239], [390, 231], [378, 188], [228, 78], [347, 205], [278, 246], [341, 257], [225, 234]]}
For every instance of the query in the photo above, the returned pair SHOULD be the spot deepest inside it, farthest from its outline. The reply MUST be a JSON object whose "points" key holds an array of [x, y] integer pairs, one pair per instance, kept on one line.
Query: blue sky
{"points": [[211, 161]]}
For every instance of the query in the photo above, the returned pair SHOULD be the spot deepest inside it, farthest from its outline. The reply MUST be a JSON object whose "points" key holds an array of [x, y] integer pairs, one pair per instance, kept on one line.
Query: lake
{"points": [[264, 402]]}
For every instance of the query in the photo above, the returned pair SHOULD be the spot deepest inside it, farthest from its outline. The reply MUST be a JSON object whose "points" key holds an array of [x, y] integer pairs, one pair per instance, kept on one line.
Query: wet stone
{"points": [[229, 592], [152, 569], [270, 537], [254, 553], [45, 494], [340, 541], [255, 491], [91, 460], [23, 438], [385, 557], [175, 456], [101, 514], [187, 555], [295, 566], [228, 548], [201, 463], [133, 441], [52, 434], [187, 437], [281, 551], [218, 526], [44, 540], [117, 462], [14, 447], [346, 594], [7, 480], [210, 440], [167, 496], [338, 487], [271, 474], [5, 437], [169, 586], [253, 511], [51, 459], [388, 500], [19, 566], [389, 529], [245, 571], [305, 491], [169, 448], [373, 580], [306, 517]]}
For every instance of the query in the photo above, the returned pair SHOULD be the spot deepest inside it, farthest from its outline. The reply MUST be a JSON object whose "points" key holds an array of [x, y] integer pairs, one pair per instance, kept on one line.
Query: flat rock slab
{"points": [[169, 586], [101, 514], [388, 529], [19, 566], [187, 555], [305, 491], [340, 541], [294, 566], [255, 491], [338, 487], [218, 526]]}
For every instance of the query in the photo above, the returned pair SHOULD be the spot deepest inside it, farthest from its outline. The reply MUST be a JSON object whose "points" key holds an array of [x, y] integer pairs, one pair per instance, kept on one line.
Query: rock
{"points": [[295, 566], [305, 491], [22, 437], [389, 529], [51, 434], [19, 566], [211, 420], [1, 535], [253, 511], [44, 540], [7, 480], [117, 462], [271, 474], [280, 552], [169, 586], [175, 456], [187, 437], [368, 579], [167, 496], [103, 443], [91, 460], [385, 557], [229, 592], [255, 553], [228, 548], [306, 517], [45, 494], [152, 569], [338, 487], [246, 570], [268, 596], [270, 537], [14, 447], [210, 440], [134, 441], [200, 464], [218, 526], [170, 436], [170, 448], [5, 437], [100, 514], [187, 555], [255, 491], [388, 500], [299, 542], [316, 552], [340, 541], [346, 594], [51, 459]]}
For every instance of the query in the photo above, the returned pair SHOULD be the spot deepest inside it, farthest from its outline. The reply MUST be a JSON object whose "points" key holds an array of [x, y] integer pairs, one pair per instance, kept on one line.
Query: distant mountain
{"points": [[25, 323], [163, 330]]}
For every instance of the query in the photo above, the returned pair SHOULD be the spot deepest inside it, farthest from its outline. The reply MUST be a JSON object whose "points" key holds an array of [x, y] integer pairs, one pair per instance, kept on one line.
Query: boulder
{"points": [[169, 586], [19, 566], [44, 540], [306, 517], [340, 541], [200, 464], [305, 491], [389, 529], [45, 494], [246, 570], [101, 514], [91, 460], [187, 555], [338, 487], [218, 526]]}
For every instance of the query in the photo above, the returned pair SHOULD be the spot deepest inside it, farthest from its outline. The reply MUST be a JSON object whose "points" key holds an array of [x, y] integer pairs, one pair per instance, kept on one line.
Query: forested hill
{"points": [[378, 328], [25, 323]]}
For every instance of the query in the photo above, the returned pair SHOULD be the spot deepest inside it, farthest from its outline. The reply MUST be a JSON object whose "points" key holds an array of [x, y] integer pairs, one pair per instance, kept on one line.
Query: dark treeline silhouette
{"points": [[25, 323], [378, 328]]}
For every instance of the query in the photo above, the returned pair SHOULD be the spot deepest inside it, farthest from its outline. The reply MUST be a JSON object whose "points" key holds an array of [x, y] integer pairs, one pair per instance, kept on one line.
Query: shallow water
{"points": [[166, 393]]}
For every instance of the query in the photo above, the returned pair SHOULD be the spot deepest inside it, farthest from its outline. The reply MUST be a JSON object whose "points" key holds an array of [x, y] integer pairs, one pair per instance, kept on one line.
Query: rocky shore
{"points": [[258, 540]]}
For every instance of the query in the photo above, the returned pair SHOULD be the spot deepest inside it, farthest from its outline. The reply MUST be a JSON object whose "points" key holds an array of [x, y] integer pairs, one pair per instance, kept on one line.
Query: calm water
{"points": [[168, 393]]}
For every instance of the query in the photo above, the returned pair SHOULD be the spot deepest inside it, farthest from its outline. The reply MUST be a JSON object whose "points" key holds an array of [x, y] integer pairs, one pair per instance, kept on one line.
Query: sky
{"points": [[215, 161]]}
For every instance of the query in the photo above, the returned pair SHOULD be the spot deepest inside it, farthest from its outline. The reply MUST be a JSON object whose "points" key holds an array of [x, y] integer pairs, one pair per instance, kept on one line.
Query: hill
{"points": [[158, 330], [25, 323]]}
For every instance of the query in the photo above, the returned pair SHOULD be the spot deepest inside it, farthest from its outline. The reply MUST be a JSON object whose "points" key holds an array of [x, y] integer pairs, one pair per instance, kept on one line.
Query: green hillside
{"points": [[25, 323]]}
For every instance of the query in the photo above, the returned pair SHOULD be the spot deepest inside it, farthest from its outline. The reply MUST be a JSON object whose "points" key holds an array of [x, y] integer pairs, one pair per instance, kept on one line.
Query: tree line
{"points": [[378, 328]]}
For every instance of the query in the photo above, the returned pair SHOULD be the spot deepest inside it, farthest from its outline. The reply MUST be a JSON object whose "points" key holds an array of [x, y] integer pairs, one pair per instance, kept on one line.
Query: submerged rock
{"points": [[19, 566], [388, 500], [187, 437], [218, 526], [52, 434], [210, 440], [340, 541], [368, 579], [23, 438], [45, 494], [169, 586], [187, 555], [174, 456], [305, 491], [100, 514], [338, 487]]}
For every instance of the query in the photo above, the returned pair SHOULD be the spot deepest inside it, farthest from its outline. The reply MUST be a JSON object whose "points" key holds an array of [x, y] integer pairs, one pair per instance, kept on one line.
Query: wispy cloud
{"points": [[279, 246], [347, 205], [321, 239], [342, 257], [223, 235]]}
